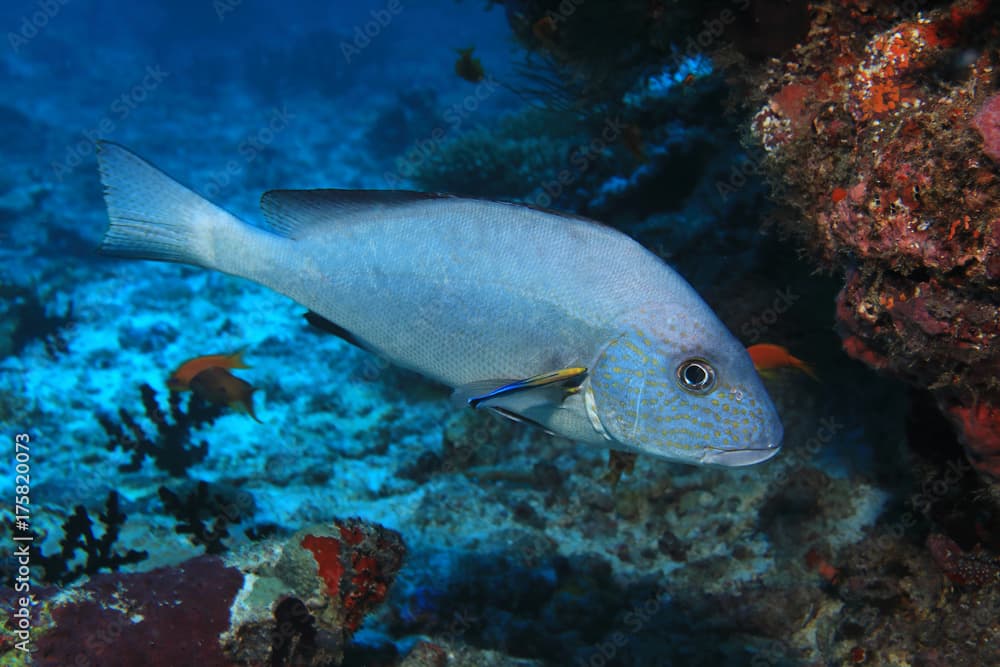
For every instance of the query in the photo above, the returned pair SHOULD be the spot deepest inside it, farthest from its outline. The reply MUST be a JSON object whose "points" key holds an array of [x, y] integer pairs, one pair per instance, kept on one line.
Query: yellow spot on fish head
{"points": [[682, 403]]}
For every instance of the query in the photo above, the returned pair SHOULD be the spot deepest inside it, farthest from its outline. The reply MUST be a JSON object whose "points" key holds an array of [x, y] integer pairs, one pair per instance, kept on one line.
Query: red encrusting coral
{"points": [[973, 569], [326, 551], [901, 193], [980, 425], [358, 568]]}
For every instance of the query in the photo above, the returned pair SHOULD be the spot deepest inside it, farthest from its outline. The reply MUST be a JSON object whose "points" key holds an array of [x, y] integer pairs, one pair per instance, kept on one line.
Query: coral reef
{"points": [[505, 161], [859, 544], [330, 578], [583, 57], [895, 111], [291, 601], [170, 449]]}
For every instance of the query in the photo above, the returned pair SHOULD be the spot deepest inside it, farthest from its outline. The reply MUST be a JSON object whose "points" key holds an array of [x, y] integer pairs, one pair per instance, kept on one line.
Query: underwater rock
{"points": [[292, 601], [130, 619], [896, 114]]}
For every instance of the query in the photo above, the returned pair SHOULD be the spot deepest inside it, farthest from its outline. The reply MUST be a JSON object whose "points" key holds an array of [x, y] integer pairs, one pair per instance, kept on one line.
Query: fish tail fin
{"points": [[152, 216], [245, 404], [236, 359], [807, 369]]}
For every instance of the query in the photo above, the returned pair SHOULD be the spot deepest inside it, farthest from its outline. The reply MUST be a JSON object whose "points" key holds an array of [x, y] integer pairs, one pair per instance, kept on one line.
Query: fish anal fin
{"points": [[520, 419], [319, 322]]}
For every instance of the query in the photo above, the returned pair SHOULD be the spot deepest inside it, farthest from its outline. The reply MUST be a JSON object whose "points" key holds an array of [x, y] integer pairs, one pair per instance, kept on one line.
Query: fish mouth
{"points": [[735, 458]]}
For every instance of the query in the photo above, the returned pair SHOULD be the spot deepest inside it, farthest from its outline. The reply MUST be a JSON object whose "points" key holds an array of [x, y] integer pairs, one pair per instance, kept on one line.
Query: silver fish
{"points": [[546, 318]]}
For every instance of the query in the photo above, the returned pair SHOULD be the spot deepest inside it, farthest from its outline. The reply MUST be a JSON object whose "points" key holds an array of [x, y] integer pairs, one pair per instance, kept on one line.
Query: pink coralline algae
{"points": [[987, 121], [896, 112]]}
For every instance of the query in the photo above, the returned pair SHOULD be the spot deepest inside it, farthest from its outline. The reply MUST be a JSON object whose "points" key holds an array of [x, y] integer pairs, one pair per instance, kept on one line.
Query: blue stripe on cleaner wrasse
{"points": [[546, 318]]}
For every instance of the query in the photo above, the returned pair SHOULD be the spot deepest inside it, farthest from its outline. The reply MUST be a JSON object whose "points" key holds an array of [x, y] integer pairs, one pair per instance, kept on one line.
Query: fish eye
{"points": [[696, 376]]}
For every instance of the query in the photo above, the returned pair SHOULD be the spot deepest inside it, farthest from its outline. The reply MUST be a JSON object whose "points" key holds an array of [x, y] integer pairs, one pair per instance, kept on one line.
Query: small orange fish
{"points": [[768, 357], [545, 29], [180, 379], [219, 386], [469, 68], [632, 138]]}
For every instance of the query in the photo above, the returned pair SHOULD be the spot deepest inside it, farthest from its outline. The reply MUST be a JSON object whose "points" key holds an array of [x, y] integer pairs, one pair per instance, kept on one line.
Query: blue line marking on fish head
{"points": [[701, 404]]}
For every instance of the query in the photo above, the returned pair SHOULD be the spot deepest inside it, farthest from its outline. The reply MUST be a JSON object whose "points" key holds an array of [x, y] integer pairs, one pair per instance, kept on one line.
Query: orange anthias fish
{"points": [[469, 68], [219, 386], [180, 379], [768, 357]]}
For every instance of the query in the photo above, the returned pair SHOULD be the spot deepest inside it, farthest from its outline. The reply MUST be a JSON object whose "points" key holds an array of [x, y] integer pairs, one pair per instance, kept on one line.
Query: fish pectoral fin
{"points": [[517, 396]]}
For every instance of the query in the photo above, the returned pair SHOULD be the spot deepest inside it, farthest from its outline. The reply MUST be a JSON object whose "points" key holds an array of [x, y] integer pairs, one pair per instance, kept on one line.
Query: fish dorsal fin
{"points": [[291, 213]]}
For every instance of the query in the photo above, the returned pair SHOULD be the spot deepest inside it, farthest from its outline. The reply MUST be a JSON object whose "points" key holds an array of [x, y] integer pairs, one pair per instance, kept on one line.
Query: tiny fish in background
{"points": [[469, 68], [208, 377], [180, 379], [545, 30], [219, 386], [541, 317], [632, 138], [768, 357]]}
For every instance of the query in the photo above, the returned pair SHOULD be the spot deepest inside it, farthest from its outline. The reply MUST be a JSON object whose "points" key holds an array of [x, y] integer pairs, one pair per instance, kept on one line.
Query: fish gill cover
{"points": [[825, 177]]}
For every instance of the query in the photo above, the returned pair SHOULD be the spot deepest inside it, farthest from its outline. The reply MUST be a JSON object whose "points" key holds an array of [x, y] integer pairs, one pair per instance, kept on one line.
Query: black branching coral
{"points": [[98, 552], [204, 515], [171, 448]]}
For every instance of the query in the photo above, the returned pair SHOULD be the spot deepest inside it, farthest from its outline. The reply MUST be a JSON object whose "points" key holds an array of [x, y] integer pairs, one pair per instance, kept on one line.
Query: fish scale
{"points": [[491, 297]]}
